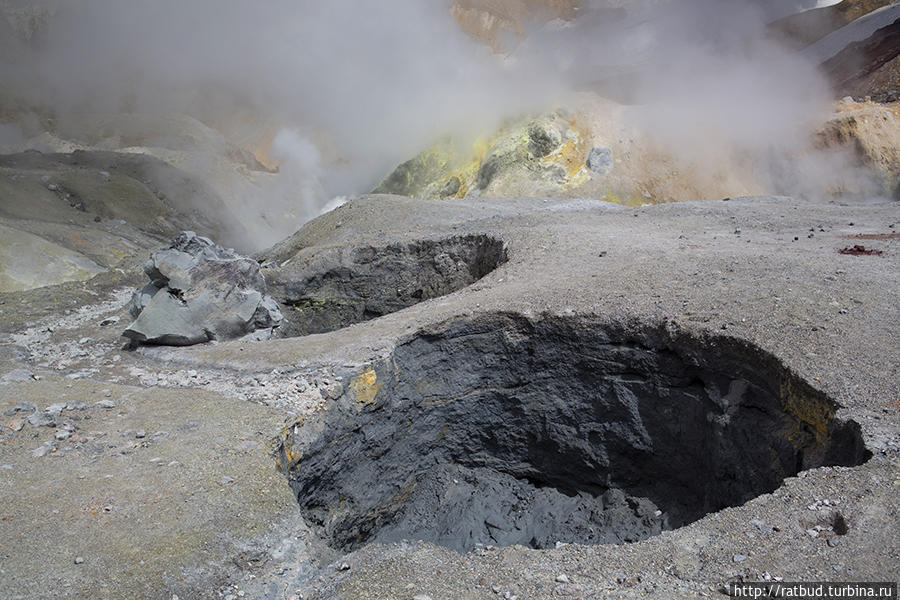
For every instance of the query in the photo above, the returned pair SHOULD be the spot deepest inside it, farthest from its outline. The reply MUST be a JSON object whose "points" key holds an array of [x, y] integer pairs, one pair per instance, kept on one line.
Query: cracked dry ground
{"points": [[671, 354]]}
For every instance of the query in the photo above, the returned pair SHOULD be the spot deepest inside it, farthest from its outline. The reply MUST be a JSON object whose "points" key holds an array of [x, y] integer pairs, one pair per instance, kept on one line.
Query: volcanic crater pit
{"points": [[507, 430], [327, 289]]}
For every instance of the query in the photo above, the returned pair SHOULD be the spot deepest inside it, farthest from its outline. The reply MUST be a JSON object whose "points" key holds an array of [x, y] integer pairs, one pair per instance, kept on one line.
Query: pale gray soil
{"points": [[223, 520]]}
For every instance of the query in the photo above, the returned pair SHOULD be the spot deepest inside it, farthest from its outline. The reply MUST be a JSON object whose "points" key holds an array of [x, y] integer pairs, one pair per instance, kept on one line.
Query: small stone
{"points": [[16, 424], [108, 321], [421, 597], [761, 526], [106, 404], [833, 542], [344, 567], [227, 480], [42, 420], [43, 450], [62, 435], [79, 560], [739, 558], [495, 589], [24, 407], [18, 376], [140, 434], [843, 311], [812, 533], [738, 231], [563, 578]]}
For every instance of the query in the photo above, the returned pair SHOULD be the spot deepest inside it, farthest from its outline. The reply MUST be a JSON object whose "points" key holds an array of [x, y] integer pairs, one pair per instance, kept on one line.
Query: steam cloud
{"points": [[356, 86]]}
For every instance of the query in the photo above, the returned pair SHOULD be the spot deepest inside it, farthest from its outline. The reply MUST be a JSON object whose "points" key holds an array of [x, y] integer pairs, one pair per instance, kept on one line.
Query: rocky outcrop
{"points": [[859, 68], [591, 149], [200, 291], [534, 156]]}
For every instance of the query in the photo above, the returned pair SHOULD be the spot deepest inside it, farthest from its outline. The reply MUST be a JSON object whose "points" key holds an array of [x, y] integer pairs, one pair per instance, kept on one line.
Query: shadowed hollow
{"points": [[506, 431]]}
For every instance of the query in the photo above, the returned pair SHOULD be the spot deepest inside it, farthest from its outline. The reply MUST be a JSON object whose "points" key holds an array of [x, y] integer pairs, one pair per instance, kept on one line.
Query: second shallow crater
{"points": [[324, 289]]}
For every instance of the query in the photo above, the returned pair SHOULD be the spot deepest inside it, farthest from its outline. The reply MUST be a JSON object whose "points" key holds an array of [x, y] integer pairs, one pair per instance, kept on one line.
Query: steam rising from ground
{"points": [[357, 86]]}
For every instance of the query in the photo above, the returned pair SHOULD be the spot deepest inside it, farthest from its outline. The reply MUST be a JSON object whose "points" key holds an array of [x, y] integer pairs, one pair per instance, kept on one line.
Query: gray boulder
{"points": [[600, 160], [200, 291]]}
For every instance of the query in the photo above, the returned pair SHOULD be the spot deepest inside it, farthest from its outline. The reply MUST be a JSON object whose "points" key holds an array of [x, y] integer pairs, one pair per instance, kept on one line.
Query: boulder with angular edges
{"points": [[200, 291]]}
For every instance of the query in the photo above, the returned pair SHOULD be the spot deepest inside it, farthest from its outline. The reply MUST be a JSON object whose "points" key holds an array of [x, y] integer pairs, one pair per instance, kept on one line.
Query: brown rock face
{"points": [[501, 22], [872, 131], [804, 28], [866, 68]]}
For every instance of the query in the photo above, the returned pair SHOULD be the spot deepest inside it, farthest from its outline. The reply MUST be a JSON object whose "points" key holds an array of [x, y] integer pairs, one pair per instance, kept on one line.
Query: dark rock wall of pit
{"points": [[690, 425], [326, 289]]}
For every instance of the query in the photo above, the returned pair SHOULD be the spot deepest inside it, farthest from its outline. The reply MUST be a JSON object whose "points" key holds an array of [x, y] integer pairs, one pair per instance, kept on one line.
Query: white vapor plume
{"points": [[709, 83], [300, 170], [354, 87], [368, 82]]}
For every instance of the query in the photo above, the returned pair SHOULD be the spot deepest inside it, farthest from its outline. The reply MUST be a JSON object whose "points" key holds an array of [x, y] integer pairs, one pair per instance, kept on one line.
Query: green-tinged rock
{"points": [[416, 176], [28, 261], [534, 156]]}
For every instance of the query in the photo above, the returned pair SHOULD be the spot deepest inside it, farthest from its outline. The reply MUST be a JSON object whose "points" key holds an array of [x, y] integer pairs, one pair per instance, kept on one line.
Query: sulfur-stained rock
{"points": [[534, 156]]}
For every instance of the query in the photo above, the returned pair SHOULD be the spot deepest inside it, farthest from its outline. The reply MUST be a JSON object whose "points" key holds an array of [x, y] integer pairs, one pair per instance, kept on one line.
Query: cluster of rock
{"points": [[200, 291]]}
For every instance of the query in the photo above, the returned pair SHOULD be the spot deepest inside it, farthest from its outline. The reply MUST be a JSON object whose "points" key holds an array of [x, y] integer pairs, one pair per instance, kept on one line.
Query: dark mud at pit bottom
{"points": [[502, 430]]}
